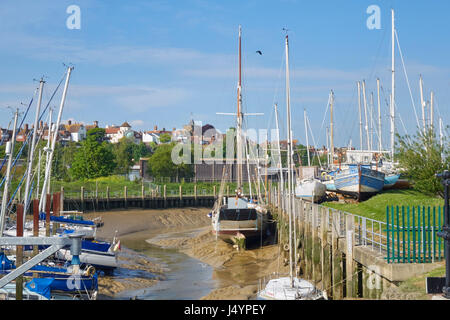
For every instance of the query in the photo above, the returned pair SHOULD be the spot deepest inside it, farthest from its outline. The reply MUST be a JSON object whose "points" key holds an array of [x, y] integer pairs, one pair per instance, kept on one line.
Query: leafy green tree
{"points": [[140, 151], [421, 157], [161, 164], [165, 138], [62, 160], [123, 154], [94, 158]]}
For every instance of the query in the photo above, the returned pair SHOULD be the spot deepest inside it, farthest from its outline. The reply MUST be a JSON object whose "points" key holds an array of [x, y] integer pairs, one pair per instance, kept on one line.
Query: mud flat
{"points": [[233, 274]]}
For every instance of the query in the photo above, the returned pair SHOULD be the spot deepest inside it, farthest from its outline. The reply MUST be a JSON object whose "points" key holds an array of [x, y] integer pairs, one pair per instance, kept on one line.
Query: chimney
{"points": [[96, 123], [69, 122], [155, 128]]}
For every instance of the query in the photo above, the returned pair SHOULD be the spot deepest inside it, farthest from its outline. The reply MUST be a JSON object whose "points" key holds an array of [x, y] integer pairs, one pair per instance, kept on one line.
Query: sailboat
{"points": [[311, 189], [238, 215], [290, 287]]}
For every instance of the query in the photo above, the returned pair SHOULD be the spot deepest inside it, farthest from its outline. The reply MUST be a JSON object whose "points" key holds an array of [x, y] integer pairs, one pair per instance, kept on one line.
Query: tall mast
{"points": [[365, 114], [371, 120], [360, 117], [31, 156], [328, 150], [279, 151], [289, 159], [239, 120], [379, 115], [331, 127], [307, 141], [432, 111], [55, 136], [393, 88], [422, 103], [8, 176]]}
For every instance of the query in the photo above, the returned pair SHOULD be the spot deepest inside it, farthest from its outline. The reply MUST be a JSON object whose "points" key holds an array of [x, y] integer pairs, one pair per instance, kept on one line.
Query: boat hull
{"points": [[359, 182], [310, 190]]}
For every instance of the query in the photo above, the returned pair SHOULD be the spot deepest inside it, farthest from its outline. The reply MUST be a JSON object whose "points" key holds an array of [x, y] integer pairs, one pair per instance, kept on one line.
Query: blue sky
{"points": [[163, 62]]}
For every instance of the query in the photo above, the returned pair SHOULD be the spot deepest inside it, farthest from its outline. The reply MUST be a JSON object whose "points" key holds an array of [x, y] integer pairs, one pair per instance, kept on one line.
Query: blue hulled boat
{"points": [[359, 181]]}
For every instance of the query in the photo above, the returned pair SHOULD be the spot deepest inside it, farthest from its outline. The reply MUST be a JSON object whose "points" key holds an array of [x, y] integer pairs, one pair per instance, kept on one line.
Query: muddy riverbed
{"points": [[171, 254]]}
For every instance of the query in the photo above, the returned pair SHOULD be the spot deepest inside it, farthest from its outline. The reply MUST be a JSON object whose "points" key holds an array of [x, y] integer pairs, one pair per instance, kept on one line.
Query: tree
{"points": [[421, 157], [123, 153], [94, 158], [165, 138], [62, 160], [161, 163]]}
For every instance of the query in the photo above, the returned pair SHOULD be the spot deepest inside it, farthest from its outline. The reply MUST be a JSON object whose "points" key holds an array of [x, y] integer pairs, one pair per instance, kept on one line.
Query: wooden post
{"points": [[107, 197], [19, 251], [308, 247], [61, 205], [180, 191], [56, 211], [337, 291], [214, 191], [82, 199], [125, 195], [349, 262], [315, 252], [143, 195], [35, 204], [325, 253], [301, 232], [195, 193], [165, 197], [47, 214], [228, 190]]}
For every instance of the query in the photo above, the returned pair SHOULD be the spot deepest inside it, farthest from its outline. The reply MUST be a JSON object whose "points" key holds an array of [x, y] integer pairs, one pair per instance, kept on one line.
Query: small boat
{"points": [[390, 180], [310, 189], [8, 292], [359, 181], [283, 289]]}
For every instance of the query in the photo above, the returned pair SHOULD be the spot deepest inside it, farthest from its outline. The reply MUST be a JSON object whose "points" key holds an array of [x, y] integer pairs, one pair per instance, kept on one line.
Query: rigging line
{"points": [[407, 79], [309, 125]]}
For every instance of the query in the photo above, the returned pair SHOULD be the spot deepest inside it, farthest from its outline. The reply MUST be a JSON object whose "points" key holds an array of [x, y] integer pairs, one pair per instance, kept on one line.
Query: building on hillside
{"points": [[155, 135], [77, 131], [115, 133]]}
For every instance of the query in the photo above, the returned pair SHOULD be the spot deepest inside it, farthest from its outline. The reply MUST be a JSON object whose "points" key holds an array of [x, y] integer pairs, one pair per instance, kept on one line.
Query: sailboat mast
{"points": [[422, 103], [289, 159], [393, 88], [432, 111], [279, 151], [239, 120], [55, 136], [8, 176], [31, 157], [331, 127], [360, 117], [366, 127], [379, 115], [307, 141]]}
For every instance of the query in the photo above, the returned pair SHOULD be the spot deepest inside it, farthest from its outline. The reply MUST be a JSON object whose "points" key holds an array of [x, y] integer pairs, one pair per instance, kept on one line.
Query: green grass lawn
{"points": [[375, 207]]}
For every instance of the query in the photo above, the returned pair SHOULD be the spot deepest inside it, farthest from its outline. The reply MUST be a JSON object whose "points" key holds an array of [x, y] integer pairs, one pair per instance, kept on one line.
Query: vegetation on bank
{"points": [[375, 207]]}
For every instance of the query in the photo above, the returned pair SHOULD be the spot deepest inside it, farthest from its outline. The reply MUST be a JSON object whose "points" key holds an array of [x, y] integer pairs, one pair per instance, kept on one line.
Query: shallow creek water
{"points": [[185, 279]]}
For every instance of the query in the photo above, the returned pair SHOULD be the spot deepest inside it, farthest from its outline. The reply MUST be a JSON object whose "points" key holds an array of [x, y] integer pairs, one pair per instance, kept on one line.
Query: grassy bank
{"points": [[375, 207], [116, 186]]}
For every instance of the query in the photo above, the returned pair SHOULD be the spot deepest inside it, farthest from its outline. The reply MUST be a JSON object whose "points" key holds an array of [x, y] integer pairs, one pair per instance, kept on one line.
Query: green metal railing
{"points": [[411, 234]]}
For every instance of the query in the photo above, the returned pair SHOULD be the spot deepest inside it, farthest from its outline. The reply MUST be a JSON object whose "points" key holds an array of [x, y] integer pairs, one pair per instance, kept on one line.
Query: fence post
{"points": [[388, 249], [61, 204], [350, 267], [82, 198], [336, 259], [125, 195], [165, 197], [107, 197], [325, 252], [47, 214], [19, 251], [180, 191], [214, 190], [143, 195]]}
